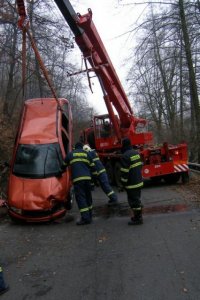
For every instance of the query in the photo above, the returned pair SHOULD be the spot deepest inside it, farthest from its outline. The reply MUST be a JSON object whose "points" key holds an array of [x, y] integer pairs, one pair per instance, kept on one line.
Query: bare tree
{"points": [[55, 44], [166, 69]]}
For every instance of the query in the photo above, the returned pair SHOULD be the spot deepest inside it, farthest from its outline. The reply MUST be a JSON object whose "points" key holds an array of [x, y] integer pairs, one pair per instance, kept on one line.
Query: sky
{"points": [[112, 22]]}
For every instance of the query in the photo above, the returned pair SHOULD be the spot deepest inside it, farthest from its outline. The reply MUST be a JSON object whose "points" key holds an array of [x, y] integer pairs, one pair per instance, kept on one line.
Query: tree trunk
{"points": [[192, 78]]}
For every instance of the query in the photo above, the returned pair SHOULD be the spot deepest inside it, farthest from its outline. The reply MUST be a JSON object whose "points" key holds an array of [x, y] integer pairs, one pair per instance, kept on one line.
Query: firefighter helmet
{"points": [[86, 148]]}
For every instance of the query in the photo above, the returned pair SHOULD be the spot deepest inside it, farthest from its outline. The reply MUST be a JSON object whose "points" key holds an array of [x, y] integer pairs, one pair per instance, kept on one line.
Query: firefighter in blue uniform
{"points": [[131, 179], [3, 286], [102, 176], [81, 167]]}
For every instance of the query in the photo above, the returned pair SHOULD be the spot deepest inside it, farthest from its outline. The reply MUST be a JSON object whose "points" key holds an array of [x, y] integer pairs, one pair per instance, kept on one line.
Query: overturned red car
{"points": [[38, 190]]}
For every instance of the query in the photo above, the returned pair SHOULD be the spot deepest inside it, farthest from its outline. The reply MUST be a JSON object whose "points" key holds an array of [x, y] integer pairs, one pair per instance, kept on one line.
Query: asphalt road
{"points": [[107, 260]]}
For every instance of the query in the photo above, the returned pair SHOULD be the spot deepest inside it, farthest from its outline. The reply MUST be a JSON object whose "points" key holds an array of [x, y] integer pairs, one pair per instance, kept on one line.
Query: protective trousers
{"points": [[83, 195], [104, 183], [134, 196]]}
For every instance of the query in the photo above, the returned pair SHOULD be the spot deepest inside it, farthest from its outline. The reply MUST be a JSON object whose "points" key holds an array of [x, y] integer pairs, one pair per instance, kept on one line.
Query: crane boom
{"points": [[91, 45]]}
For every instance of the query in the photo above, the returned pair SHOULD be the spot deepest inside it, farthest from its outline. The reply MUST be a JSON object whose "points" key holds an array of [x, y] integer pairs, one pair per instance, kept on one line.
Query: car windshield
{"points": [[38, 161]]}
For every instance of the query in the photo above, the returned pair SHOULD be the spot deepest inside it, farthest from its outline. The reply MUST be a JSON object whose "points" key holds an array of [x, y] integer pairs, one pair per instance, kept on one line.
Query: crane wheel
{"points": [[172, 178]]}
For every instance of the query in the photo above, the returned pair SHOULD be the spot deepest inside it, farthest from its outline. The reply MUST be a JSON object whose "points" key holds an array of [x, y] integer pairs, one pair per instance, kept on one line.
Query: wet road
{"points": [[108, 260]]}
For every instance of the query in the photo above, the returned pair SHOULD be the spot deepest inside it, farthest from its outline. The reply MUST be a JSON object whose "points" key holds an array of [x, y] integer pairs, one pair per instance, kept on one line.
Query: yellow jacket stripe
{"points": [[124, 170], [124, 179], [136, 165], [134, 186], [84, 209], [103, 170], [95, 159], [110, 193], [82, 178], [79, 155], [135, 157], [79, 160]]}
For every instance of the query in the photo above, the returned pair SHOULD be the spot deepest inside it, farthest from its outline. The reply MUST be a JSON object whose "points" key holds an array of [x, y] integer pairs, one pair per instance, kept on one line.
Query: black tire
{"points": [[185, 177], [172, 178], [156, 179], [16, 221], [117, 174], [110, 172]]}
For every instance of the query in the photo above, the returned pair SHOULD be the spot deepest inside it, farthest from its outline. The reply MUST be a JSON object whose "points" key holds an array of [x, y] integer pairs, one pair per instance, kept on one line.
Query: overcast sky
{"points": [[111, 21]]}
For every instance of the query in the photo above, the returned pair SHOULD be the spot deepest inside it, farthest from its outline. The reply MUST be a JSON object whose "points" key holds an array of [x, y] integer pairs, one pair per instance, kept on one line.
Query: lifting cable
{"points": [[23, 61], [23, 25]]}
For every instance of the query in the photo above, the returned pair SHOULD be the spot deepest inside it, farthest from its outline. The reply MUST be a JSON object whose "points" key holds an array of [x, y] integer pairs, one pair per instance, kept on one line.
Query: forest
{"points": [[162, 80]]}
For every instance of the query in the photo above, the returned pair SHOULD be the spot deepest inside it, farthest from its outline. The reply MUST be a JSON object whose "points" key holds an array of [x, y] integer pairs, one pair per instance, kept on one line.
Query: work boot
{"points": [[4, 290], [83, 222], [3, 286], [137, 219], [112, 202]]}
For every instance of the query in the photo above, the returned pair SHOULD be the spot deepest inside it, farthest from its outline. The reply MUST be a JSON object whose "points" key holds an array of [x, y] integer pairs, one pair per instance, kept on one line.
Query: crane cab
{"points": [[38, 190]]}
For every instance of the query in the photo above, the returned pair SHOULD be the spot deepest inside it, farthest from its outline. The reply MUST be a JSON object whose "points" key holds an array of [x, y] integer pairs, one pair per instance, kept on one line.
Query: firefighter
{"points": [[131, 179], [102, 176], [3, 286], [81, 167]]}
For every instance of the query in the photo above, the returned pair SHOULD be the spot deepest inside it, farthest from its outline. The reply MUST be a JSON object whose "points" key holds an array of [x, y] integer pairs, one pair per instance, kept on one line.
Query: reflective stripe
{"points": [[103, 170], [79, 154], [94, 173], [134, 186], [110, 193], [82, 178], [131, 166], [134, 157], [79, 160], [95, 159], [124, 170], [123, 179], [92, 164], [90, 207], [136, 165], [137, 208], [1, 269], [84, 209]]}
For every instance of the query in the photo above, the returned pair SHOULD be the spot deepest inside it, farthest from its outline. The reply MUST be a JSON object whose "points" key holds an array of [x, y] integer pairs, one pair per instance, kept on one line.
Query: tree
{"points": [[166, 68], [55, 44]]}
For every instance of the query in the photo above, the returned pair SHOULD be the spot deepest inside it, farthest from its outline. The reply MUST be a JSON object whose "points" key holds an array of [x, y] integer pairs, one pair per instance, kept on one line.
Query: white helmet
{"points": [[86, 148]]}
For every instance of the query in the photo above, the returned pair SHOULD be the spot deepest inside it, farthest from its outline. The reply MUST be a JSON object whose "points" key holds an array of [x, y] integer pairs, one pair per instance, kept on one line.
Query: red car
{"points": [[38, 189]]}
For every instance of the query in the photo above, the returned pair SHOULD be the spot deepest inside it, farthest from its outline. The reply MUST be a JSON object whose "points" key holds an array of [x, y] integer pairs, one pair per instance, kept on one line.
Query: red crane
{"points": [[165, 161]]}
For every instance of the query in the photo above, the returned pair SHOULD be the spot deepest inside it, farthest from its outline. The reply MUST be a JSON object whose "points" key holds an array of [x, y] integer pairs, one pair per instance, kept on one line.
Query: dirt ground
{"points": [[191, 190]]}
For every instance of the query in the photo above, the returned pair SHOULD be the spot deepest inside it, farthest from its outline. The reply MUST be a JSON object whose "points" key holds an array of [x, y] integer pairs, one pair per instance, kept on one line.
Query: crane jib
{"points": [[70, 16]]}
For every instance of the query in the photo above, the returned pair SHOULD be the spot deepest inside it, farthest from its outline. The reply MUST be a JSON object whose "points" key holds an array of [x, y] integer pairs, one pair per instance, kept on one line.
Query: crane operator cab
{"points": [[38, 190], [104, 132], [106, 129]]}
